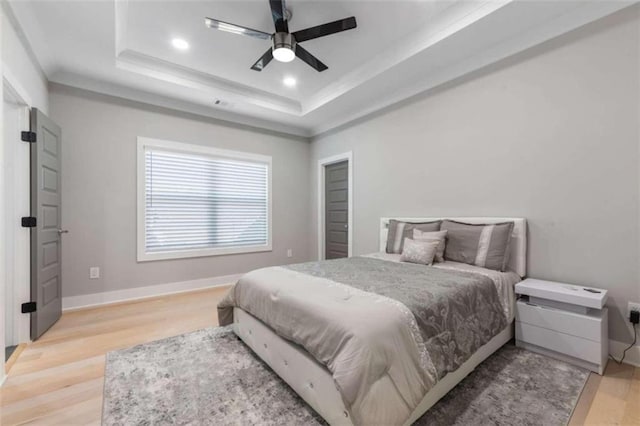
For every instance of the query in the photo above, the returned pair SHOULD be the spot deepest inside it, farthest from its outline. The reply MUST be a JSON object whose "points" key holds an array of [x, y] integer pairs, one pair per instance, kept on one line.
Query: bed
{"points": [[405, 383]]}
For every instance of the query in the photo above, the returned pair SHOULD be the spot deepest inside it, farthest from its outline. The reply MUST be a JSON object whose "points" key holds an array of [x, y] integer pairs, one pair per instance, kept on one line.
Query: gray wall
{"points": [[99, 191], [551, 135]]}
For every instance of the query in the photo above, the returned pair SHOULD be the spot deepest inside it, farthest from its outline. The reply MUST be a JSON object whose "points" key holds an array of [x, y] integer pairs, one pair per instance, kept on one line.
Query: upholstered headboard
{"points": [[518, 247]]}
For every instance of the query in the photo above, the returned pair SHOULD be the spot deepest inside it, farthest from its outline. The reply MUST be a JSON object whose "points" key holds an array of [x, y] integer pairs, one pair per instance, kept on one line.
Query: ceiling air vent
{"points": [[221, 104]]}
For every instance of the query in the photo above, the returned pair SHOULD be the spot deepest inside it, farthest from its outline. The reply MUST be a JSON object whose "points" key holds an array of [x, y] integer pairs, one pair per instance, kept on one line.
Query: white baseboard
{"points": [[70, 303], [633, 355]]}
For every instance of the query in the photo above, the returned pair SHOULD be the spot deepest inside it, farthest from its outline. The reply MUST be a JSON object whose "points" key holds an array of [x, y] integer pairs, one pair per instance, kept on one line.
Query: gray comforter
{"points": [[386, 331]]}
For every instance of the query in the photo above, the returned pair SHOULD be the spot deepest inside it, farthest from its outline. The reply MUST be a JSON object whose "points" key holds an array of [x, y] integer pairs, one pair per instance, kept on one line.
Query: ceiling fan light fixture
{"points": [[283, 54], [283, 47]]}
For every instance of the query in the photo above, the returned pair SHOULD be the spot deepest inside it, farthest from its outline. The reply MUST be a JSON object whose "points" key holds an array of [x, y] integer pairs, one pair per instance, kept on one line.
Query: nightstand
{"points": [[564, 321]]}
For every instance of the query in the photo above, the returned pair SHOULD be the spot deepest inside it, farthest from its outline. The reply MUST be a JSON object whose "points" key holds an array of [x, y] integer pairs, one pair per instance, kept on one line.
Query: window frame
{"points": [[143, 144]]}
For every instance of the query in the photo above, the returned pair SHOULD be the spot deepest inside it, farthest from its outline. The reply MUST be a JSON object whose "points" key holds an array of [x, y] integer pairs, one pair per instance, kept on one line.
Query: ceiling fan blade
{"points": [[310, 59], [325, 29], [235, 29], [278, 9], [263, 61]]}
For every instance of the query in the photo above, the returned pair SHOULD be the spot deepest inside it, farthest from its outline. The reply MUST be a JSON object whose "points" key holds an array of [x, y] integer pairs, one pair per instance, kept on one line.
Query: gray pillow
{"points": [[485, 245], [439, 236], [398, 231], [421, 252]]}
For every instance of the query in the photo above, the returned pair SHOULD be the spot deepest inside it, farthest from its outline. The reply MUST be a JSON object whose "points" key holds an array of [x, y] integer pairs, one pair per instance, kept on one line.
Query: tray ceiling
{"points": [[398, 49]]}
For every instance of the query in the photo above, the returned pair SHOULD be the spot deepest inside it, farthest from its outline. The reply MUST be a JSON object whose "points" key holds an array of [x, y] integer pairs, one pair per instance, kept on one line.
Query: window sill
{"points": [[185, 254]]}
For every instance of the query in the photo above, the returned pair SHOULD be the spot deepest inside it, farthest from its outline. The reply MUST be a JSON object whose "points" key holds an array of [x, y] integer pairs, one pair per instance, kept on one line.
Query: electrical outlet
{"points": [[94, 273], [289, 253], [633, 306]]}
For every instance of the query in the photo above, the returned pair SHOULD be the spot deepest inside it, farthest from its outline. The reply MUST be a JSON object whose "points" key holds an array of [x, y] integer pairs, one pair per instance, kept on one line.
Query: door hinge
{"points": [[28, 307], [29, 137], [29, 222]]}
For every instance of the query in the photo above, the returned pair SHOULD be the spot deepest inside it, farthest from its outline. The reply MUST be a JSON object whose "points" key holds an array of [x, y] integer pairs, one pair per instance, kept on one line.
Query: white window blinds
{"points": [[198, 202]]}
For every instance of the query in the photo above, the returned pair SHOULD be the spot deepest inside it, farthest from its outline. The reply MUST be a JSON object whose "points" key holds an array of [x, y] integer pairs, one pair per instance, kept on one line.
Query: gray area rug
{"points": [[211, 377]]}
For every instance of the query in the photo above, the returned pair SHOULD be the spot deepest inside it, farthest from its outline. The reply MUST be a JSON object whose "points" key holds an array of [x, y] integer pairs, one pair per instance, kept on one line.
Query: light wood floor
{"points": [[59, 378]]}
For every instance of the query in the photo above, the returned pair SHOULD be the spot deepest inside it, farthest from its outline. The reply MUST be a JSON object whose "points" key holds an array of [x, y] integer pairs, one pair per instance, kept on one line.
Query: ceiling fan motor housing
{"points": [[284, 40]]}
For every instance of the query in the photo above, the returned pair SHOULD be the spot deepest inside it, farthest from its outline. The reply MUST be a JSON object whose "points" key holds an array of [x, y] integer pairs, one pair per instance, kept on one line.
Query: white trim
{"points": [[18, 241], [160, 69], [450, 21], [540, 30], [143, 143], [3, 244], [230, 91], [70, 303], [13, 86], [421, 45], [68, 81], [633, 355], [322, 163], [121, 9]]}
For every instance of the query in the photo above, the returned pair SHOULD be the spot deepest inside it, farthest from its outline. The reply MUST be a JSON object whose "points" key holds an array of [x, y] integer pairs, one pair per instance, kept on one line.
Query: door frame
{"points": [[19, 205], [322, 164]]}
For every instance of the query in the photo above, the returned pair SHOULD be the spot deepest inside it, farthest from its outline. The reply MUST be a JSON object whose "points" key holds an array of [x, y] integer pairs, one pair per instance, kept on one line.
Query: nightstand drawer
{"points": [[576, 347], [579, 325]]}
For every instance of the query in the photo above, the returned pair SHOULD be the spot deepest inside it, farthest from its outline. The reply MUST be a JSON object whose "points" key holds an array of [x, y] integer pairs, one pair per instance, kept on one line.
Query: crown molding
{"points": [[72, 80], [152, 67], [450, 21], [575, 15], [460, 39]]}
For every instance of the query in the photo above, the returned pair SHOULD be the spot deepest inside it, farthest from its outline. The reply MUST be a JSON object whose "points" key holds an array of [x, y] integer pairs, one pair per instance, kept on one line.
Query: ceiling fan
{"points": [[285, 44]]}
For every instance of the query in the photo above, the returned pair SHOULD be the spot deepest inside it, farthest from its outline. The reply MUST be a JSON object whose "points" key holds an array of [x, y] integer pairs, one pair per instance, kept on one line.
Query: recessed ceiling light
{"points": [[180, 44], [289, 81]]}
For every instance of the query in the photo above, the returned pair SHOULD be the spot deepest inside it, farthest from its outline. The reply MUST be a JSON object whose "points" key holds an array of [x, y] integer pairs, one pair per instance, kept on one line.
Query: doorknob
{"points": [[63, 231], [346, 227]]}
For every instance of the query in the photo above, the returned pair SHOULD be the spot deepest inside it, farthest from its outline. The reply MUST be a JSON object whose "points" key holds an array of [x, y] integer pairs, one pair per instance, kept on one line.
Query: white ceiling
{"points": [[399, 48], [230, 56]]}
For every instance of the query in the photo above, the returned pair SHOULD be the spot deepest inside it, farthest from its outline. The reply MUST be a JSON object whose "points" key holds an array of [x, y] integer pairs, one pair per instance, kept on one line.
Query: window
{"points": [[200, 201]]}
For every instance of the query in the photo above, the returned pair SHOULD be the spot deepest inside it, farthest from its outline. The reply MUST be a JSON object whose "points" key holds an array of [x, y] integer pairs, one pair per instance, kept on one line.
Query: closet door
{"points": [[336, 210]]}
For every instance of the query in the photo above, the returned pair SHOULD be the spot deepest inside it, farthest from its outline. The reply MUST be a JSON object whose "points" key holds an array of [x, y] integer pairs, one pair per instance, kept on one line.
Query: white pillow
{"points": [[440, 236], [414, 251]]}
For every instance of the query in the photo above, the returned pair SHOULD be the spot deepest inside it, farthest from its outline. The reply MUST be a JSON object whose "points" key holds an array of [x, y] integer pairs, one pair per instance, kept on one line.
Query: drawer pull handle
{"points": [[533, 305]]}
